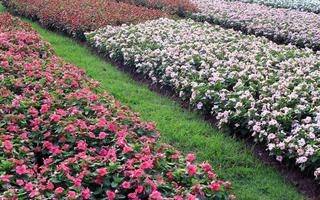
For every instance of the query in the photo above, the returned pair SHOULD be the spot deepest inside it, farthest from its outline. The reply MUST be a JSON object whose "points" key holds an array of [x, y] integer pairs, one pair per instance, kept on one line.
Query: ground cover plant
{"points": [[257, 87], [62, 139], [304, 5], [278, 24], [77, 17]]}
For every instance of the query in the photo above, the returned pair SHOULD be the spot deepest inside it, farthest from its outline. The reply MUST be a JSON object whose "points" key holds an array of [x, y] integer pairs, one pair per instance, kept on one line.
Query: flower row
{"points": [[304, 5], [77, 17], [62, 139], [173, 7], [278, 24], [248, 83]]}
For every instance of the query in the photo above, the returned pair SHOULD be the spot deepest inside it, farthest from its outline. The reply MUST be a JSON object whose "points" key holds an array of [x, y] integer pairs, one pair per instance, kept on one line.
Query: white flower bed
{"points": [[268, 90], [303, 5], [279, 24]]}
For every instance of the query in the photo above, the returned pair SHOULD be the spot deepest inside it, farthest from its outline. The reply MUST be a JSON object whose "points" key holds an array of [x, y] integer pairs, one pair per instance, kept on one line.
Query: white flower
{"points": [[317, 172], [279, 158], [199, 105], [301, 160]]}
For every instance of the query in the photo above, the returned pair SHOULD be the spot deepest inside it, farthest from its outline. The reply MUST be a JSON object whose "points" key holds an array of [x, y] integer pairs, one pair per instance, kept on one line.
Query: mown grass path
{"points": [[185, 130]]}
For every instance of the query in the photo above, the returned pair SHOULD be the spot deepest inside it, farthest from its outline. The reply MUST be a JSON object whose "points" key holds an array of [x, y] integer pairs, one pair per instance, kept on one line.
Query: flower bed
{"points": [[305, 5], [77, 17], [257, 87], [278, 24], [62, 139], [174, 7]]}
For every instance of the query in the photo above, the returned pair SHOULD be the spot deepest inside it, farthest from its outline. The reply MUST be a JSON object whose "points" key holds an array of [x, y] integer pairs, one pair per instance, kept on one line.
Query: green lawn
{"points": [[185, 130]]}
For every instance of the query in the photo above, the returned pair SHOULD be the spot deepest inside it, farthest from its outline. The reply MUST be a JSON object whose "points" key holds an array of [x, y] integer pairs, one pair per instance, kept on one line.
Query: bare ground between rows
{"points": [[304, 183]]}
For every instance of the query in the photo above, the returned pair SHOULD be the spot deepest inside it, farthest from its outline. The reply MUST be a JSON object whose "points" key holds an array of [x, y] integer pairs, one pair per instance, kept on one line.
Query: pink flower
{"points": [[112, 127], [72, 195], [192, 170], [132, 195], [8, 144], [44, 108], [101, 122], [147, 165], [156, 195], [111, 195], [55, 117], [102, 135], [179, 197], [29, 186], [191, 197], [102, 171], [58, 190], [126, 185], [215, 186], [139, 189], [85, 193], [20, 182], [21, 169], [50, 186], [149, 126], [23, 135], [206, 167], [82, 145], [190, 157]]}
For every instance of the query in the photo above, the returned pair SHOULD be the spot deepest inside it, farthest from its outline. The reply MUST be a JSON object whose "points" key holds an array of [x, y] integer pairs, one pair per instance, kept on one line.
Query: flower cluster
{"points": [[77, 17], [305, 5], [173, 7], [278, 24], [62, 139], [250, 83]]}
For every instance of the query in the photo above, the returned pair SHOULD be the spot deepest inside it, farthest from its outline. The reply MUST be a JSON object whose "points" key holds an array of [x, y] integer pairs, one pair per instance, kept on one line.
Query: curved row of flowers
{"points": [[256, 86], [62, 139], [278, 24], [173, 7], [302, 5], [77, 17]]}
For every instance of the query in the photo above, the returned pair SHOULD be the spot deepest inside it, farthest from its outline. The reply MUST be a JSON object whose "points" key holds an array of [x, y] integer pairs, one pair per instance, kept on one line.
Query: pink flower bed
{"points": [[77, 17], [61, 139]]}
